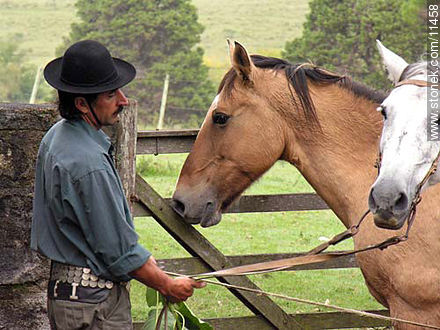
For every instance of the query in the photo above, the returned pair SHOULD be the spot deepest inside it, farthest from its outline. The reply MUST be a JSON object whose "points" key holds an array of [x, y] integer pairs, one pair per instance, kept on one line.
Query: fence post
{"points": [[23, 273], [36, 84], [124, 137], [163, 103]]}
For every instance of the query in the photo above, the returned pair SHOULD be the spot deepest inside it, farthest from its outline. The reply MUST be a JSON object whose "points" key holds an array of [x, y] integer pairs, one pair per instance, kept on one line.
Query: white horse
{"points": [[406, 152]]}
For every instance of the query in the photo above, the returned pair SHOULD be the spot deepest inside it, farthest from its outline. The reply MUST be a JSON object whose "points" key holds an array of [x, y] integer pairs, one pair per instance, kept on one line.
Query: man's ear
{"points": [[81, 104]]}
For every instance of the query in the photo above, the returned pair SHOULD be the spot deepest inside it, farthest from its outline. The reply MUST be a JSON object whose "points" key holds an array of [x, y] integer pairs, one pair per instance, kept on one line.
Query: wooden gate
{"points": [[206, 257]]}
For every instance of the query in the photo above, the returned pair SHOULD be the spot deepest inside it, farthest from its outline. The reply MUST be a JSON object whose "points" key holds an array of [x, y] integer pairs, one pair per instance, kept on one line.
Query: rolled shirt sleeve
{"points": [[102, 213]]}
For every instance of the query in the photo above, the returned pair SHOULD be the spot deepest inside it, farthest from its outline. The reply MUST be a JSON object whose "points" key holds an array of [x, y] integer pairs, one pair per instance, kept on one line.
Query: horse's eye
{"points": [[382, 111], [220, 118]]}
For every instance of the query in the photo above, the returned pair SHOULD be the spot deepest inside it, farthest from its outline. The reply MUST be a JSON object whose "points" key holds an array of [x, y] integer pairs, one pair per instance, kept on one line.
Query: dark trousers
{"points": [[112, 313]]}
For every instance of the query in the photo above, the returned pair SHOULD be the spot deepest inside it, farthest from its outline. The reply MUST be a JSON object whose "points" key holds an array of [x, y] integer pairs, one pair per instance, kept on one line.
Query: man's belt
{"points": [[82, 276], [68, 282], [74, 292]]}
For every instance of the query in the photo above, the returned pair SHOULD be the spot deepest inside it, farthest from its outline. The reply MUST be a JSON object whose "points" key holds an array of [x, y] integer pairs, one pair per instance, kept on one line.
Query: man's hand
{"points": [[176, 290], [182, 288]]}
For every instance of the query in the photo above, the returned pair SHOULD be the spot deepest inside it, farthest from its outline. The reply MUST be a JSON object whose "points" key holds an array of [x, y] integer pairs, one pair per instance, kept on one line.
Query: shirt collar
{"points": [[97, 135]]}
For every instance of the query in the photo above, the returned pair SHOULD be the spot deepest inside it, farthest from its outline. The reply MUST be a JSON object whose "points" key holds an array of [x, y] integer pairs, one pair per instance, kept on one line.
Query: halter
{"points": [[416, 199], [417, 82]]}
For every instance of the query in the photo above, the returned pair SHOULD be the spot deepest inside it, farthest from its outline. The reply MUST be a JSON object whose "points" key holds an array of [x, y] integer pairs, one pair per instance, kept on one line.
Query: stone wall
{"points": [[22, 272]]}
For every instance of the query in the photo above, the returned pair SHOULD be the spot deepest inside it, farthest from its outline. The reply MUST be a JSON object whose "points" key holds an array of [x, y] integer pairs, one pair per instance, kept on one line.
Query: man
{"points": [[81, 220]]}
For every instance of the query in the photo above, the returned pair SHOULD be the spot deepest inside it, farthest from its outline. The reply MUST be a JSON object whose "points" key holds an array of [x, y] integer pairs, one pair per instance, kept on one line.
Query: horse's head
{"points": [[238, 141], [407, 154]]}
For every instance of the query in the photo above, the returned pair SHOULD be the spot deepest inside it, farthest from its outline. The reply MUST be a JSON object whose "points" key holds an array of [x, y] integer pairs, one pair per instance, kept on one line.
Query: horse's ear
{"points": [[240, 60], [393, 63]]}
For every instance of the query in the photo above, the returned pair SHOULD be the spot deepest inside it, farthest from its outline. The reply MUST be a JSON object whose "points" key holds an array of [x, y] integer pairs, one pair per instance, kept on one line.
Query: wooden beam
{"points": [[199, 246], [165, 142], [124, 137], [264, 203], [324, 320]]}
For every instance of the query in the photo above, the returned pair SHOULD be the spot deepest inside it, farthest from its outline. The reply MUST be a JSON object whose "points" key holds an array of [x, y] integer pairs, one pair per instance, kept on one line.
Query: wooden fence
{"points": [[206, 257]]}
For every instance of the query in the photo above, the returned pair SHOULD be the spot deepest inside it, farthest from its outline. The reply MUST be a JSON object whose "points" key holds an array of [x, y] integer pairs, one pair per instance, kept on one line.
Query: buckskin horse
{"points": [[407, 153], [268, 109]]}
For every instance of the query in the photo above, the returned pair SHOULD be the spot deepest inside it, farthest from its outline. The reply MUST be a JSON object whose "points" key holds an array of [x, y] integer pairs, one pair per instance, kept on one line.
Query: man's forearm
{"points": [[151, 275]]}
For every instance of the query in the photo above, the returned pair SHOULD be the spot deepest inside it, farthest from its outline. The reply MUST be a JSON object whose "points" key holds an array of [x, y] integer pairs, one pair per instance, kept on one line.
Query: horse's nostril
{"points": [[371, 202], [401, 202], [178, 206]]}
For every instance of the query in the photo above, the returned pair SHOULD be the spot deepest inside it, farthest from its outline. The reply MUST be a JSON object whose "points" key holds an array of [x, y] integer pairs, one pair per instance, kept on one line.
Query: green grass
{"points": [[251, 234]]}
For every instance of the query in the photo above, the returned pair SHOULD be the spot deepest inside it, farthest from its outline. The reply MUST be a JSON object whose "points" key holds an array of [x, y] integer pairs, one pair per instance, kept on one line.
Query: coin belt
{"points": [[80, 275]]}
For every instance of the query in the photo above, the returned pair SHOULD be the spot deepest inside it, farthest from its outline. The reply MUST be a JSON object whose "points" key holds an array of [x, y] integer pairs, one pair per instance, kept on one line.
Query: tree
{"points": [[340, 36], [158, 37], [16, 76]]}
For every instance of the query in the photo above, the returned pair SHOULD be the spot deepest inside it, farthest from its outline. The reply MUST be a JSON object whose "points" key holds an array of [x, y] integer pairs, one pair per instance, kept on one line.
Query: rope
{"points": [[309, 302]]}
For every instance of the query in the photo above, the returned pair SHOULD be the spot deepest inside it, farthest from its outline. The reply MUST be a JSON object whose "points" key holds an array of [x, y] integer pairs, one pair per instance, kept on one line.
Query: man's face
{"points": [[108, 105]]}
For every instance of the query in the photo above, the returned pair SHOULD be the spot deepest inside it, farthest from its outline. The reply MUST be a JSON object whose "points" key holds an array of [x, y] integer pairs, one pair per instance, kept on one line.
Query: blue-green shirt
{"points": [[80, 213]]}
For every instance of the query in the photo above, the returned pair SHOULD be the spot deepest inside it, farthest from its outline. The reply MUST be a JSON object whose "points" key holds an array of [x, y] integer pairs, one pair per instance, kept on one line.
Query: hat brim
{"points": [[52, 74]]}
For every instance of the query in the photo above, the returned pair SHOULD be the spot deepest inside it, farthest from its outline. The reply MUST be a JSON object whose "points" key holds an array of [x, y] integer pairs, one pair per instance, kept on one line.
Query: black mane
{"points": [[297, 75]]}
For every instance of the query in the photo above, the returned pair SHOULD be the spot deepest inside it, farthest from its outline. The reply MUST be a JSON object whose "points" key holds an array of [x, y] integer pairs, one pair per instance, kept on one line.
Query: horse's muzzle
{"points": [[388, 220]]}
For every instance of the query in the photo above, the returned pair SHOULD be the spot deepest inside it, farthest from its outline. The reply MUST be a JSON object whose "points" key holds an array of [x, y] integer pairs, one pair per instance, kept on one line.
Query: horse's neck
{"points": [[338, 162]]}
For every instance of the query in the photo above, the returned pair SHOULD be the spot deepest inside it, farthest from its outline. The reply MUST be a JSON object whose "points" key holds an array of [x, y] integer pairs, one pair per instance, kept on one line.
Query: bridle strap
{"points": [[417, 82]]}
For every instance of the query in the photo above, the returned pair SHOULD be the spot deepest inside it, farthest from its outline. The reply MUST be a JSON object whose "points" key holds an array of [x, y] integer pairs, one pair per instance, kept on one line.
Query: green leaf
{"points": [[152, 297], [153, 314], [192, 322], [150, 323]]}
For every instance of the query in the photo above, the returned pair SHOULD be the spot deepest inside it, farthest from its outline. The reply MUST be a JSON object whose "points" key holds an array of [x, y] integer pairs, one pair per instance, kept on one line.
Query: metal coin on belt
{"points": [[71, 273], [78, 272], [93, 277], [93, 284], [85, 276], [84, 282], [101, 283], [70, 280], [109, 284], [86, 270], [77, 279]]}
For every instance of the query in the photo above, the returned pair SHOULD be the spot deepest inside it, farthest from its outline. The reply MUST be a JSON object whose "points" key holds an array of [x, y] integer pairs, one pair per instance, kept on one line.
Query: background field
{"points": [[263, 26]]}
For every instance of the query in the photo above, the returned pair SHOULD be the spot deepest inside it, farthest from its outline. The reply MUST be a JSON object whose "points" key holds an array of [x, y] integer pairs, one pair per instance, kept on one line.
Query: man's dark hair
{"points": [[66, 104]]}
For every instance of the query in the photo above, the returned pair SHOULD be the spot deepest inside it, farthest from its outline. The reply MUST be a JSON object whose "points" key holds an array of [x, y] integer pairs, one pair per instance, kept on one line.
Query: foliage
{"points": [[169, 316], [158, 37], [16, 77], [340, 35]]}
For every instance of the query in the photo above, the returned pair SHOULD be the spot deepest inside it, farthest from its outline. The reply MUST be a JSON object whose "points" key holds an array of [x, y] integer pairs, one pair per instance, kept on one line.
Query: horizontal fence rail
{"points": [[263, 203], [181, 141], [165, 142], [321, 320]]}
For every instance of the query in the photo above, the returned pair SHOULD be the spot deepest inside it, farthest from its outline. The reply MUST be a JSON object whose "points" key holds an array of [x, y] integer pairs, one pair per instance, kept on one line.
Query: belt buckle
{"points": [[55, 287], [73, 295]]}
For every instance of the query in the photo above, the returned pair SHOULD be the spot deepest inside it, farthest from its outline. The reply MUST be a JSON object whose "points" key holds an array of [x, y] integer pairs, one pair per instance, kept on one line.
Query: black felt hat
{"points": [[88, 68]]}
